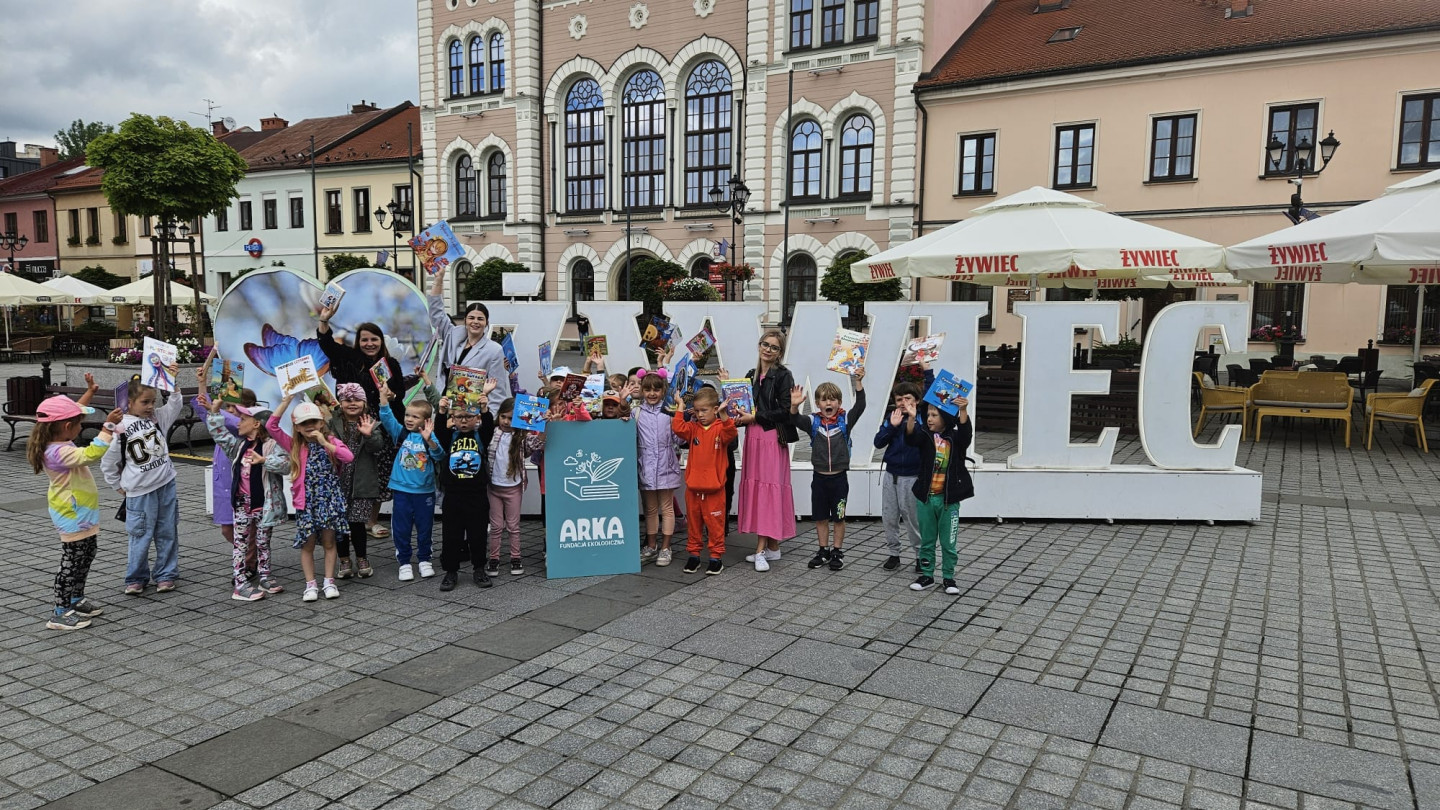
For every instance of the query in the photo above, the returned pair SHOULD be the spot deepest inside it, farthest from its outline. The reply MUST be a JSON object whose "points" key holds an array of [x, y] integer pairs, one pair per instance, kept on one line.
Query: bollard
{"points": [[45, 372]]}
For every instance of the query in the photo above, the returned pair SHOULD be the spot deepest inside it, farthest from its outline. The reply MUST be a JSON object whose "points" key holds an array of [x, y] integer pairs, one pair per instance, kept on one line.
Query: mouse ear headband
{"points": [[660, 371]]}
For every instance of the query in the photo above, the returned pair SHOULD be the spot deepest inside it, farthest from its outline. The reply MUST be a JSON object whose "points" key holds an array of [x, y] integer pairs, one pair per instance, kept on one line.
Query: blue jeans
{"points": [[153, 518], [412, 511]]}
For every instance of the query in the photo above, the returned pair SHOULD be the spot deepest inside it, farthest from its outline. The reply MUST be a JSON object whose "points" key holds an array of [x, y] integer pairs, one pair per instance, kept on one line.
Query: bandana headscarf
{"points": [[349, 392]]}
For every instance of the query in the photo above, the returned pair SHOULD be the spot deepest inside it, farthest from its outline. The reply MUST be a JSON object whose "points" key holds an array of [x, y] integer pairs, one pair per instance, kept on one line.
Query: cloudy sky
{"points": [[101, 60]]}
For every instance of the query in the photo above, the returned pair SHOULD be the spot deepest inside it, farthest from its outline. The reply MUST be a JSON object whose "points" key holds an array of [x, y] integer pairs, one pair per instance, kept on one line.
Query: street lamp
{"points": [[399, 222], [167, 231], [1304, 155], [12, 242], [735, 208]]}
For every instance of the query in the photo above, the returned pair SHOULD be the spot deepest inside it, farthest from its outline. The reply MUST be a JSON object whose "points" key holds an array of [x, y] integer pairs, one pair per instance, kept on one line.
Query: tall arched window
{"points": [[463, 269], [805, 160], [700, 268], [582, 284], [708, 127], [466, 204], [497, 62], [477, 65], [584, 147], [495, 169], [457, 68], [643, 140], [799, 282], [857, 154]]}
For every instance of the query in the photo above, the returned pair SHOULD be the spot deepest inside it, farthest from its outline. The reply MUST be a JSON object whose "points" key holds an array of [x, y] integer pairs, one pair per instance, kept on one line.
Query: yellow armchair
{"points": [[1221, 399], [1406, 409]]}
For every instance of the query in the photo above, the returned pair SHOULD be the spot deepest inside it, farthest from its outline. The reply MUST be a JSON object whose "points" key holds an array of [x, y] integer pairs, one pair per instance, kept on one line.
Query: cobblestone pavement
{"points": [[1288, 663]]}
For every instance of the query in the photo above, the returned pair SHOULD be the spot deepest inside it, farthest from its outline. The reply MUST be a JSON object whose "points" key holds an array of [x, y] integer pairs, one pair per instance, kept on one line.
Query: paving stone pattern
{"points": [[1284, 664]]}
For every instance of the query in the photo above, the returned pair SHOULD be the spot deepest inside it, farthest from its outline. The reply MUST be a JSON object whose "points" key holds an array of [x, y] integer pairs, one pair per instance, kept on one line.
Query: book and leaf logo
{"points": [[592, 480]]}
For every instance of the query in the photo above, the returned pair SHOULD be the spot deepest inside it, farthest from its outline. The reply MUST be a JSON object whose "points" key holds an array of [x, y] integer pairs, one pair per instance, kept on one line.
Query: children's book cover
{"points": [[597, 344], [945, 389], [380, 373], [703, 341], [923, 350], [507, 346], [233, 383], [739, 399], [529, 413], [847, 354], [658, 335], [122, 396], [546, 360], [215, 372], [159, 365], [594, 387], [684, 380], [466, 388], [297, 375], [330, 298], [572, 386], [437, 247]]}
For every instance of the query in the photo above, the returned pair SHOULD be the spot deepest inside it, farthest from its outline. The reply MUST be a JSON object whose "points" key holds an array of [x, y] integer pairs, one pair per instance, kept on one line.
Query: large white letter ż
{"points": [[1047, 383], [1166, 378]]}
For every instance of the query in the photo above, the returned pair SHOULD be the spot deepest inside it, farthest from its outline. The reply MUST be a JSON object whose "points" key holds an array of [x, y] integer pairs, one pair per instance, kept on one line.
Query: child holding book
{"points": [[138, 466], [360, 480], [829, 427], [412, 481], [942, 484], [315, 458], [256, 492], [505, 455], [706, 436], [902, 465], [465, 511], [659, 467]]}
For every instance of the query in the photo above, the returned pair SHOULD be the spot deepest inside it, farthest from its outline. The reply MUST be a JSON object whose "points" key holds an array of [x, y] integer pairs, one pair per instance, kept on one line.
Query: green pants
{"points": [[937, 520]]}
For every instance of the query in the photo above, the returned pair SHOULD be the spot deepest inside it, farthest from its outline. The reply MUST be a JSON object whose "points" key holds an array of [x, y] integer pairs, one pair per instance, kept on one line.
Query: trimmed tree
{"points": [[650, 278], [838, 286], [339, 264], [100, 277], [484, 282]]}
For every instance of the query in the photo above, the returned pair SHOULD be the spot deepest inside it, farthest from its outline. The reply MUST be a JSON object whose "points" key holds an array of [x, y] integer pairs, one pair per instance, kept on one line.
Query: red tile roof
{"points": [[38, 180], [384, 141], [1009, 40], [80, 181], [289, 148]]}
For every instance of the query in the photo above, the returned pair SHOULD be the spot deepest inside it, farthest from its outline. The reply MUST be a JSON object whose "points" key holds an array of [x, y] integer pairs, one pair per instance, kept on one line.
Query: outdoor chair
{"points": [[1425, 371], [1209, 364], [1369, 381], [1240, 376], [1324, 363], [1406, 409], [1259, 366], [1216, 399], [1350, 365]]}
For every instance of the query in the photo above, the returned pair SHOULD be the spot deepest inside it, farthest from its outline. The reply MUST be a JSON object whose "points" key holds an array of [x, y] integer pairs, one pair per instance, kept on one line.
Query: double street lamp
{"points": [[734, 206], [12, 242], [399, 222], [1303, 165]]}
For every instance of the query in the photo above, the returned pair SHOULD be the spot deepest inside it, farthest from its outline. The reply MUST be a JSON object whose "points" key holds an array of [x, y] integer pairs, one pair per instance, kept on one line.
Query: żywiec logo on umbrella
{"points": [[593, 482]]}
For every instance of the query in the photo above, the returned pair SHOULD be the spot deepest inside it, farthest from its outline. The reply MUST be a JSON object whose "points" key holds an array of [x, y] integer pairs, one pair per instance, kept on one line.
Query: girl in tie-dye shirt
{"points": [[73, 498]]}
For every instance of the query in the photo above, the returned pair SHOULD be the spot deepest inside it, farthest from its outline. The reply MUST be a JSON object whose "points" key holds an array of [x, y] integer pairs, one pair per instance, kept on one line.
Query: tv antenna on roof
{"points": [[210, 108]]}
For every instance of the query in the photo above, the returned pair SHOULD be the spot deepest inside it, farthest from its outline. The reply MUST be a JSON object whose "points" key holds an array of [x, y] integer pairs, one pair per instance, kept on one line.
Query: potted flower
{"points": [[1284, 338]]}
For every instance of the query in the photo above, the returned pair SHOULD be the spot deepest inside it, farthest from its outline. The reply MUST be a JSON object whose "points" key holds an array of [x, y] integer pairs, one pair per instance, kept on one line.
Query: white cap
{"points": [[560, 371], [306, 411]]}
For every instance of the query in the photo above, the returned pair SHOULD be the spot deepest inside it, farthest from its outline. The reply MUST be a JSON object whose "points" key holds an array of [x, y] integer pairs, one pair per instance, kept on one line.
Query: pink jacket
{"points": [[297, 485]]}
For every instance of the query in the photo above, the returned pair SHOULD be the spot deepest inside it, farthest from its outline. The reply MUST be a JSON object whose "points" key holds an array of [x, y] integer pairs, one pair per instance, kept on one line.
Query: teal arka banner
{"points": [[592, 499]]}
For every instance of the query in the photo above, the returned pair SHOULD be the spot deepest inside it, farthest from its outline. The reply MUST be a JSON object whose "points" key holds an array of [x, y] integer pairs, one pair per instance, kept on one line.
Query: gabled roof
{"points": [[289, 148], [1010, 40], [39, 180], [85, 179], [385, 141], [244, 138]]}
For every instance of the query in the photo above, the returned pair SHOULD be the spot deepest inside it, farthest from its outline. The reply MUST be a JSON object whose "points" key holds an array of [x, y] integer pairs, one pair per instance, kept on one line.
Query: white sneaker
{"points": [[662, 558], [426, 569], [331, 592], [761, 564], [406, 573], [770, 556], [311, 594]]}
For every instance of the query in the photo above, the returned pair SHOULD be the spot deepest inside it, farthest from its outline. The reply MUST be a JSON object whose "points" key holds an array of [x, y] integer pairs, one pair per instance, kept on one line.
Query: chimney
{"points": [[49, 156], [7, 149], [218, 128], [1239, 8], [363, 106], [273, 122]]}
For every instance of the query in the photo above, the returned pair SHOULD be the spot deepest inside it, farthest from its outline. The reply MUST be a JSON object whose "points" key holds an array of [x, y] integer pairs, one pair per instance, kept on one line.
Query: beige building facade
{"points": [[550, 124], [1181, 141]]}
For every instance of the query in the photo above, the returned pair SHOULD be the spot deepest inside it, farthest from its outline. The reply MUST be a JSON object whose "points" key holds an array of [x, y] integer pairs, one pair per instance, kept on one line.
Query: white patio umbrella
{"points": [[80, 293], [1042, 236], [142, 293], [21, 292], [1393, 239]]}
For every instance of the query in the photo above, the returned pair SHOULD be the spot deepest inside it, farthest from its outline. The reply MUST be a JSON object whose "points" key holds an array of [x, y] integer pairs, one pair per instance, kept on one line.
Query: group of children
{"points": [[334, 462]]}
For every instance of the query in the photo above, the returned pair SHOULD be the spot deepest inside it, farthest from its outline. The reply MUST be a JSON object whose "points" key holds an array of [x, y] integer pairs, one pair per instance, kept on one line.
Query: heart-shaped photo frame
{"points": [[268, 317]]}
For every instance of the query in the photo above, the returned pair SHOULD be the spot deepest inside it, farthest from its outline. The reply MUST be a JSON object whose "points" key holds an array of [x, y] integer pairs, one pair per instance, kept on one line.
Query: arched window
{"points": [[457, 68], [477, 65], [584, 147], [857, 155], [466, 204], [495, 169], [805, 160], [582, 284], [497, 62], [701, 268], [799, 282], [463, 269], [708, 104], [643, 140]]}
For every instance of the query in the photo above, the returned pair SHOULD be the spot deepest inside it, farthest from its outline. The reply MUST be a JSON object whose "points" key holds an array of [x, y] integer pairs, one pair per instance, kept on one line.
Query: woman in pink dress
{"points": [[767, 506]]}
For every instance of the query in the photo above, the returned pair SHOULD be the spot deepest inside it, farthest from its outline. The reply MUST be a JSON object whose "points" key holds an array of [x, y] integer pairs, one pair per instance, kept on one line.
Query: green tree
{"points": [[649, 278], [838, 286], [165, 168], [100, 277], [484, 282], [339, 264], [73, 139]]}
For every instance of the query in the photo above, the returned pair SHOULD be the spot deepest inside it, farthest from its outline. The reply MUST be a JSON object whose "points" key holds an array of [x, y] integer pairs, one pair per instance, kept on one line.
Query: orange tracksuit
{"points": [[705, 481]]}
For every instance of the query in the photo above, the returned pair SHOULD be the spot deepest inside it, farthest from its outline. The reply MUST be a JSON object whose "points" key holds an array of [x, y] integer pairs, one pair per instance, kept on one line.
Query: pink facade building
{"points": [[27, 210]]}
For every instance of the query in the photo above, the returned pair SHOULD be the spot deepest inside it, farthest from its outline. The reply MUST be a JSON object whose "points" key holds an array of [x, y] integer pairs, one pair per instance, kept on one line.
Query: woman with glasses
{"points": [[767, 505]]}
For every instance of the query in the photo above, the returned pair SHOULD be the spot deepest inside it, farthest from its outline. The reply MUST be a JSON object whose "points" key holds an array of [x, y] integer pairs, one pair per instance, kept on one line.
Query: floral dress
{"points": [[325, 506]]}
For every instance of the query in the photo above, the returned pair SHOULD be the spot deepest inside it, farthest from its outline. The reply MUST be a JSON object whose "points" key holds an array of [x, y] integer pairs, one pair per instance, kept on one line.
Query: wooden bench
{"points": [[1302, 395], [31, 348], [104, 402]]}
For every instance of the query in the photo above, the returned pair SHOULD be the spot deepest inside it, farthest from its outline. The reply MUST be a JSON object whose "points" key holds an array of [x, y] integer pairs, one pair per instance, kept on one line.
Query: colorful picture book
{"points": [[571, 386], [597, 344], [297, 375], [684, 380], [703, 342], [437, 247], [122, 396], [923, 350], [330, 298], [847, 353], [158, 364], [546, 359], [215, 376], [380, 373], [945, 389], [233, 382], [594, 387], [738, 396], [659, 334], [529, 413], [466, 389], [507, 346]]}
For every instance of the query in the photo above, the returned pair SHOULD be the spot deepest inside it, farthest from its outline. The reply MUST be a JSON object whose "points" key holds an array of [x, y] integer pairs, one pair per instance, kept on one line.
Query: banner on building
{"points": [[592, 502]]}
